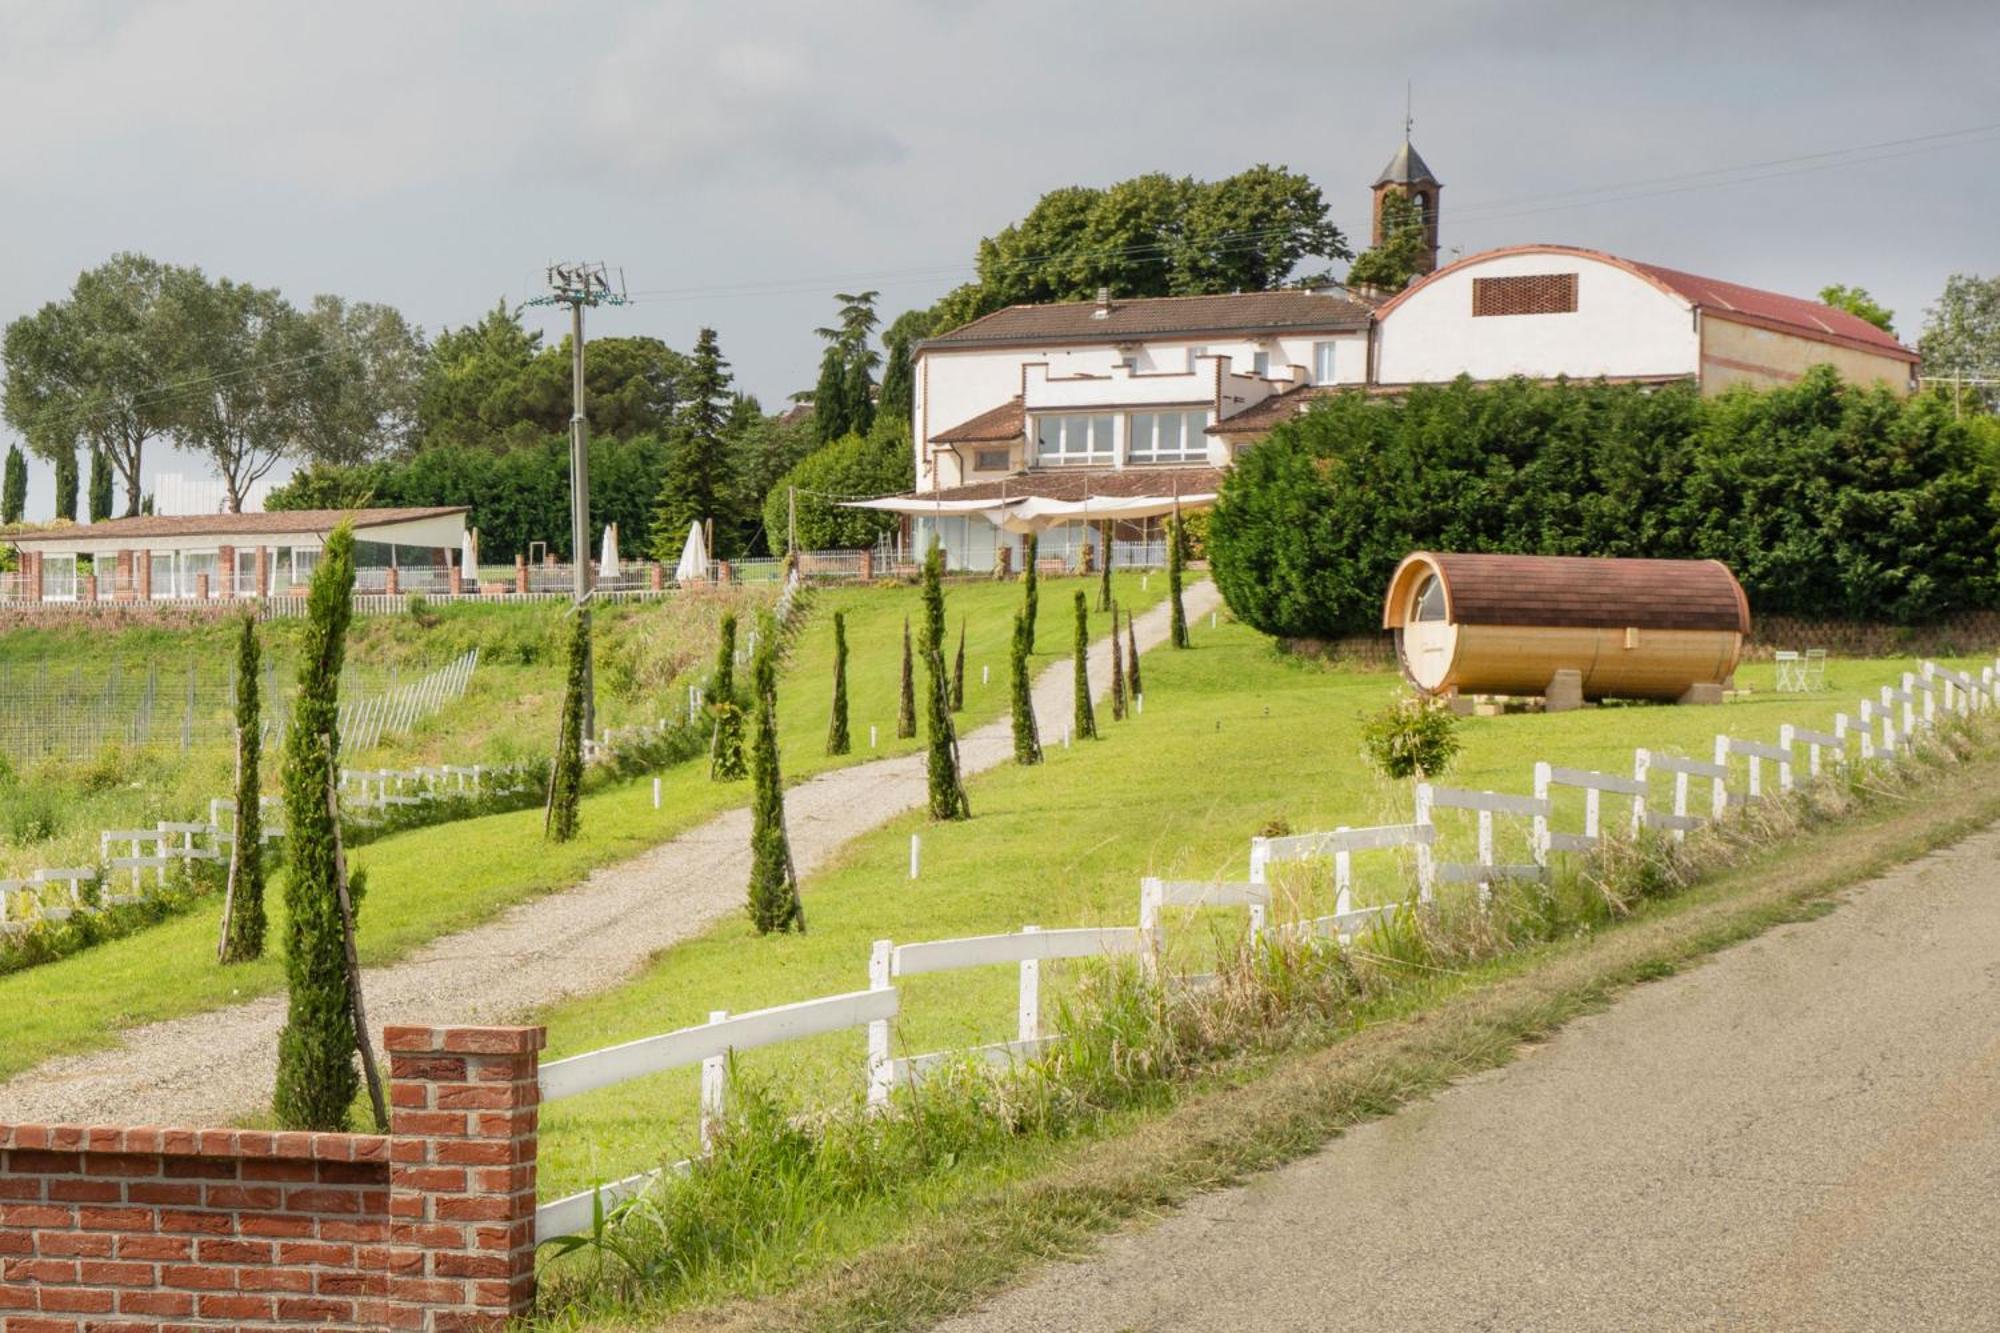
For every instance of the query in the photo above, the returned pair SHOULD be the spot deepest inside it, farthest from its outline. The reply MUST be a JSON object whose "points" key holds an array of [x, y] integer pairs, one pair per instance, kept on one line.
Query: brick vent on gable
{"points": [[1527, 294]]}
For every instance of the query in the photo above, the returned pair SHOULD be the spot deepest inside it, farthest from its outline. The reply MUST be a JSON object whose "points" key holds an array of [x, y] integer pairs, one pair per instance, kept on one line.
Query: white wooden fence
{"points": [[363, 722]]}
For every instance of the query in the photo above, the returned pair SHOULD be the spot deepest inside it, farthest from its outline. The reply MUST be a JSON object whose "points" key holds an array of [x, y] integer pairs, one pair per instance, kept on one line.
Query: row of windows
{"points": [[1090, 438], [180, 573], [1260, 362]]}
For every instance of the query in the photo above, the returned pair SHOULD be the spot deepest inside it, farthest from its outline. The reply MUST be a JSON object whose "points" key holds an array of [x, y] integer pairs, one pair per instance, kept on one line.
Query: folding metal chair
{"points": [[1791, 672], [1812, 671]]}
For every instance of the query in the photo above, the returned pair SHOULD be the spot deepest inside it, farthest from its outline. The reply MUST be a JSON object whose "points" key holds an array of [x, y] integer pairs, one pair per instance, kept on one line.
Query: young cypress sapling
{"points": [[1027, 741], [906, 702], [1031, 586], [1117, 670], [837, 741], [1178, 636], [958, 671], [243, 918], [725, 749], [566, 772], [947, 789], [775, 904], [1086, 717], [1132, 682]]}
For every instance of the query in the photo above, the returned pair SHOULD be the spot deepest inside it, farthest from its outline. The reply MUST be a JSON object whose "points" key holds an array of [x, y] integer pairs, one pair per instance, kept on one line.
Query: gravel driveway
{"points": [[215, 1067]]}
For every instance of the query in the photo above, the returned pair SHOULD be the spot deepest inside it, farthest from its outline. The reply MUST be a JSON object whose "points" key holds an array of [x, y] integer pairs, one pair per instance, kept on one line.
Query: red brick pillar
{"points": [[392, 584], [225, 571], [201, 589], [722, 571], [868, 566], [142, 570], [263, 570], [86, 588], [462, 1180], [520, 573], [454, 580]]}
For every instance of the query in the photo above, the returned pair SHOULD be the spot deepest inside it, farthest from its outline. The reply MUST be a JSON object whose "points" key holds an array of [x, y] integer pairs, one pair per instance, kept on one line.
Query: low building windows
{"points": [[991, 460], [1324, 363], [1167, 437], [1071, 440]]}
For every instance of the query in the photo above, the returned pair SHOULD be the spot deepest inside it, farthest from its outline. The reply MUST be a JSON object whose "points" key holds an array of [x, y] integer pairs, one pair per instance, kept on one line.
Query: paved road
{"points": [[213, 1068], [1802, 1134]]}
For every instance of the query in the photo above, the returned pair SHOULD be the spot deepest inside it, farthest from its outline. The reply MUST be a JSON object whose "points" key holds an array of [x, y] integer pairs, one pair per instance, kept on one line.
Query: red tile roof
{"points": [[1082, 484], [1138, 317], [227, 525], [1279, 407], [996, 425], [1584, 591]]}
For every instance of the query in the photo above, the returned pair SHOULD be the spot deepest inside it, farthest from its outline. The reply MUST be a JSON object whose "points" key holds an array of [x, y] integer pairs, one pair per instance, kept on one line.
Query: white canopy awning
{"points": [[1035, 513], [916, 504]]}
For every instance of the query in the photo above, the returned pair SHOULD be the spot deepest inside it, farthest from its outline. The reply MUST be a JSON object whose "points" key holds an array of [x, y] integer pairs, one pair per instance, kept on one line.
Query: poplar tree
{"points": [[1027, 741], [316, 1076], [774, 880], [243, 919], [1117, 670], [725, 748], [958, 671], [947, 788], [906, 707], [100, 485], [1178, 636], [837, 741], [1031, 587], [1132, 682], [1104, 574], [566, 773], [1086, 717], [66, 484], [14, 486]]}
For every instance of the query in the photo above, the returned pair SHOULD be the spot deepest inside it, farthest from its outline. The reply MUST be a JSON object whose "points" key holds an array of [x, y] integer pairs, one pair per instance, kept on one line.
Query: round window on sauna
{"points": [[1430, 600]]}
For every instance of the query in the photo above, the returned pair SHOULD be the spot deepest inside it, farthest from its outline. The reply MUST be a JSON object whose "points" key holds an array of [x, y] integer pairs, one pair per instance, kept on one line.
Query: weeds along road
{"points": [[215, 1067], [1804, 1132]]}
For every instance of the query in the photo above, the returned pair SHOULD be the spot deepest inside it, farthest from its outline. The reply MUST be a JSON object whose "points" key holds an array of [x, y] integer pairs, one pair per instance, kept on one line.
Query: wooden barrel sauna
{"points": [[1507, 624]]}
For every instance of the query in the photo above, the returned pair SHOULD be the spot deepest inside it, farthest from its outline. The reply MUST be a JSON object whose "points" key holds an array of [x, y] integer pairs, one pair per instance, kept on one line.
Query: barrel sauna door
{"points": [[1428, 640]]}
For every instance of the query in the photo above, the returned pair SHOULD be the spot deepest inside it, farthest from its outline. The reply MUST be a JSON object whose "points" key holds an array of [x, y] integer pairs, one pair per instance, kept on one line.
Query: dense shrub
{"points": [[852, 467], [1824, 498]]}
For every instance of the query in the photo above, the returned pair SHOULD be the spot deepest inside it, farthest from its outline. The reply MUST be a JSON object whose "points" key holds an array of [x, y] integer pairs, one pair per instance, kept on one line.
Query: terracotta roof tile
{"points": [[227, 525], [1238, 312], [1058, 484], [997, 425]]}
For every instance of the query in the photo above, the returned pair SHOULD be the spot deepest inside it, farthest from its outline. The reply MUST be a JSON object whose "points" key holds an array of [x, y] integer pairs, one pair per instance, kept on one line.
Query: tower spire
{"points": [[1409, 120]]}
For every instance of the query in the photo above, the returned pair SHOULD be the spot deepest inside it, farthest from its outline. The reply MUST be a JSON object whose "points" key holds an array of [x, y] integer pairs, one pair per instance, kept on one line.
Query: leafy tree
{"points": [[1251, 231], [947, 786], [831, 417], [14, 486], [1961, 339], [1178, 631], [374, 363], [1027, 743], [844, 400], [696, 484], [1086, 716], [566, 770], [473, 392], [1133, 682], [837, 741], [632, 386], [774, 880], [316, 1080], [100, 485], [1031, 584], [66, 484], [849, 468], [243, 918], [898, 381], [906, 696], [91, 367], [725, 750], [764, 449], [1405, 239], [1856, 301]]}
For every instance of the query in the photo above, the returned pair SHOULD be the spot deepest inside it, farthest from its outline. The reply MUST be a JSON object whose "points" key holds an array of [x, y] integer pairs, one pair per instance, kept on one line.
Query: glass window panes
{"points": [[1260, 363], [59, 578], [196, 565], [1430, 599], [1323, 362], [1078, 438], [1167, 437], [163, 572], [305, 559]]}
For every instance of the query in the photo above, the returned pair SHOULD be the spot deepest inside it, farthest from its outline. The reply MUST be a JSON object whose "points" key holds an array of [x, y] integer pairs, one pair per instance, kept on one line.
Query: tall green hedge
{"points": [[1824, 498]]}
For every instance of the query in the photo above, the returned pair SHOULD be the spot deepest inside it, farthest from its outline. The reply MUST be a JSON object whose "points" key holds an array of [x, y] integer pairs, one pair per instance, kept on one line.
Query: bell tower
{"points": [[1410, 176]]}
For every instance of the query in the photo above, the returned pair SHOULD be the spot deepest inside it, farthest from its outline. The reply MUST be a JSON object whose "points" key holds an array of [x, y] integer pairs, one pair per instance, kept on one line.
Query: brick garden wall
{"points": [[429, 1227]]}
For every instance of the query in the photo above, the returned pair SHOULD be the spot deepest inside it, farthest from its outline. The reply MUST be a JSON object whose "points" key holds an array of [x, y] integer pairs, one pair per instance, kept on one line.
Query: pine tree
{"points": [[566, 772], [1027, 742], [947, 787], [1086, 716], [14, 486], [958, 671], [837, 741], [316, 1076], [725, 749], [1117, 670], [1104, 574], [66, 484], [100, 485], [1132, 682], [243, 916], [1031, 588], [774, 880], [695, 487], [906, 706], [831, 419], [1178, 636]]}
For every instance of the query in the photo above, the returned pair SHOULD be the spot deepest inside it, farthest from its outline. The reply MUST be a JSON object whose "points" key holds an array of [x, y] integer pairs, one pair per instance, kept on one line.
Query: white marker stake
{"points": [[656, 793], [871, 738], [1145, 581], [916, 854], [1211, 620], [985, 674]]}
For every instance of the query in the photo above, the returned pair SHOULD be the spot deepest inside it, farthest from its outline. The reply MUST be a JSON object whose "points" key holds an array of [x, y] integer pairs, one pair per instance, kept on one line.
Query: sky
{"points": [[743, 161]]}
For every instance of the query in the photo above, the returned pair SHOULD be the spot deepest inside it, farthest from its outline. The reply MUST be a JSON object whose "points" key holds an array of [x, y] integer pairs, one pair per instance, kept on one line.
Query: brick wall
{"points": [[430, 1227]]}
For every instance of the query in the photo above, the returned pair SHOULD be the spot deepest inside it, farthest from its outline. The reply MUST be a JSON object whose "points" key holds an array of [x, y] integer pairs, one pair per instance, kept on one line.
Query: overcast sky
{"points": [[744, 161]]}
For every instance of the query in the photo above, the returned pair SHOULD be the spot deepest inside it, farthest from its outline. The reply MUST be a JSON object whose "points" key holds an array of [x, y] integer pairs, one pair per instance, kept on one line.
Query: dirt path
{"points": [[214, 1067], [1804, 1133]]}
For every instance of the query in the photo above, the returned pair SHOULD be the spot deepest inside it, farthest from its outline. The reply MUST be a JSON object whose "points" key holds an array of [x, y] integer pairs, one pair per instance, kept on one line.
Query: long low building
{"points": [[194, 556]]}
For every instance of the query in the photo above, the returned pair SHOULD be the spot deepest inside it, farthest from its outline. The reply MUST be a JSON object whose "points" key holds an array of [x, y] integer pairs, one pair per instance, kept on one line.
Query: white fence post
{"points": [[916, 854], [1642, 768], [1343, 879], [1719, 792], [1786, 732], [1544, 772], [1486, 854], [714, 1079], [1031, 994], [1152, 905], [879, 1067], [1426, 862]]}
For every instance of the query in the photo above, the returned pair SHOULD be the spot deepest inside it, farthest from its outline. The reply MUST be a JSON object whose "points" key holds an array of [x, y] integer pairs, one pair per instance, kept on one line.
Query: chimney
{"points": [[1103, 310]]}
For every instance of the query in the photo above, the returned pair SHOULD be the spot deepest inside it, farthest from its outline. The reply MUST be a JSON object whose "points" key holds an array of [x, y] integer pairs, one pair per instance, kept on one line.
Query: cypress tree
{"points": [[1031, 587], [316, 1075], [1086, 716], [1117, 670], [66, 484], [1132, 683], [566, 773], [725, 748], [906, 706], [243, 919], [1104, 574], [774, 880], [1027, 743], [837, 741], [1178, 637], [100, 485], [947, 789], [958, 671], [14, 486]]}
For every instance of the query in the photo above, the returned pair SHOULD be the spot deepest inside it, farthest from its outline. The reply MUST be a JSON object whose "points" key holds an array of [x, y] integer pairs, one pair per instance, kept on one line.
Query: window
{"points": [[162, 573], [1529, 294], [195, 566], [1324, 362], [246, 572], [1167, 437], [1062, 441], [59, 578], [1260, 364], [305, 559], [1430, 599], [990, 460], [1194, 355]]}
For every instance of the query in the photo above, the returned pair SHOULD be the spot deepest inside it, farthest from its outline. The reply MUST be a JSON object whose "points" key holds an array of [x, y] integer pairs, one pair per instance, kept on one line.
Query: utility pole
{"points": [[579, 285]]}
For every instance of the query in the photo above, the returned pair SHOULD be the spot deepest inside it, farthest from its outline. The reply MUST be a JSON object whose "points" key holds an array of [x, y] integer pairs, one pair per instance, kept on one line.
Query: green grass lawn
{"points": [[1234, 737], [429, 882]]}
